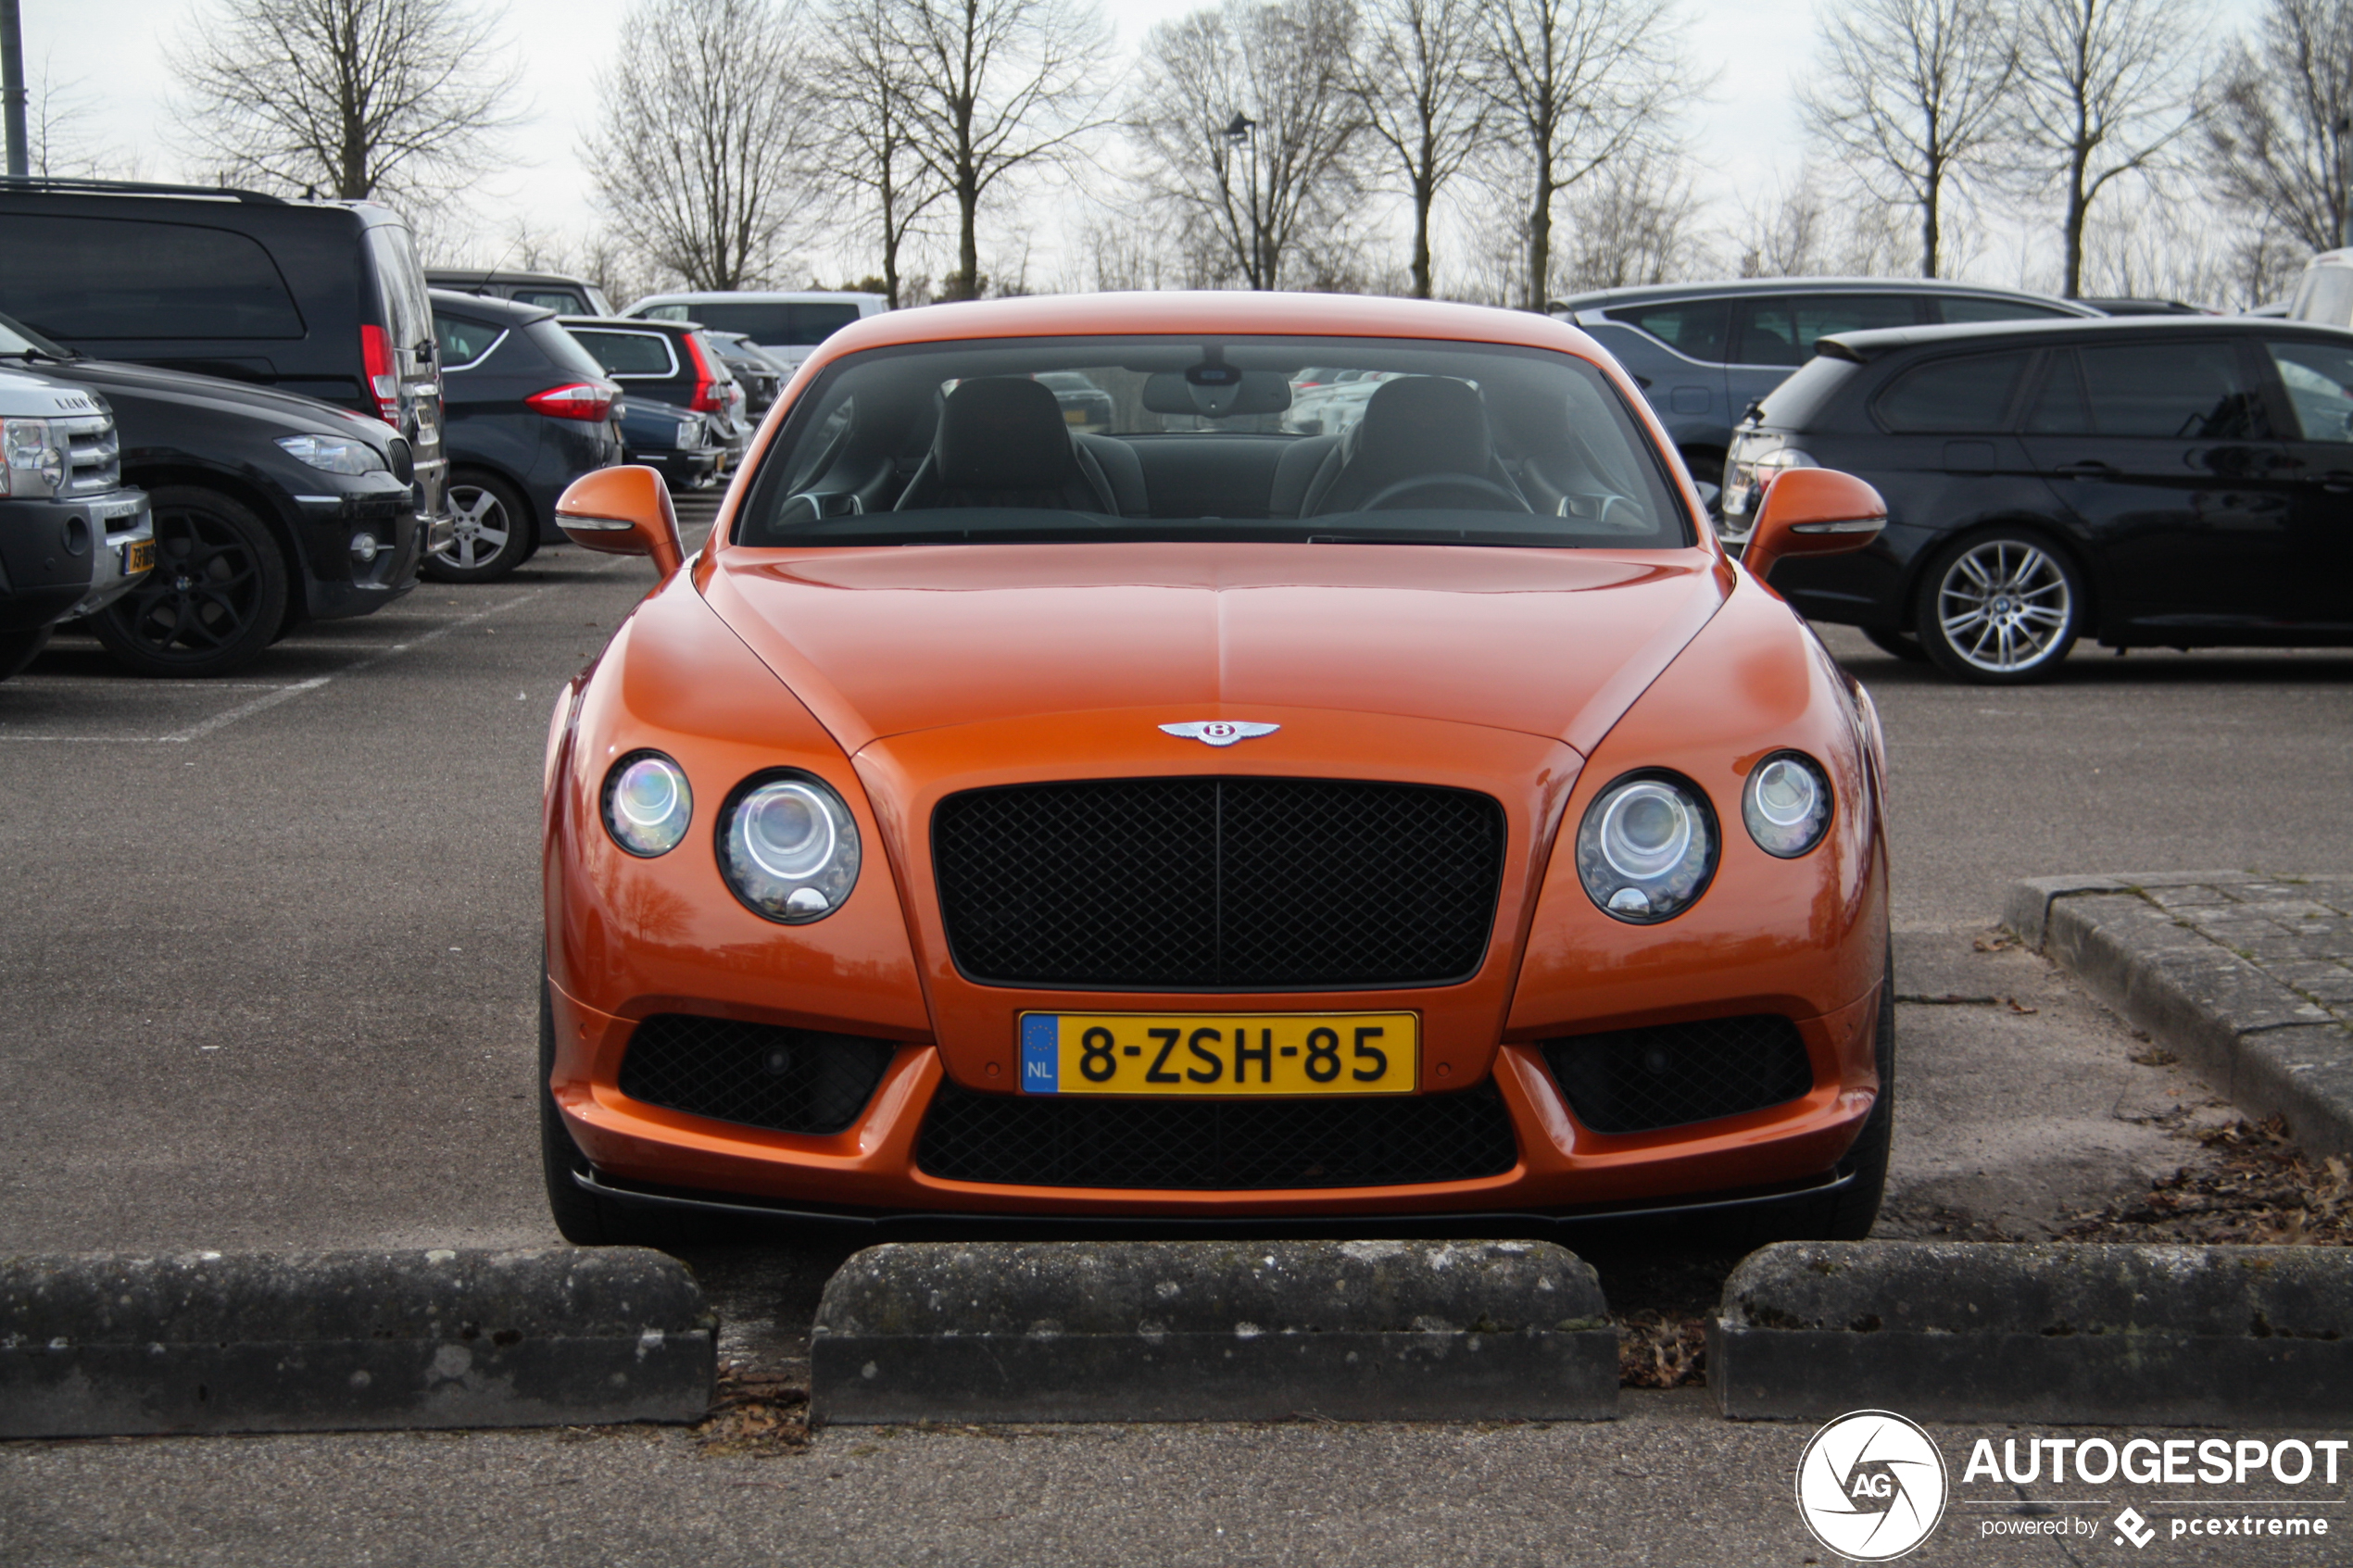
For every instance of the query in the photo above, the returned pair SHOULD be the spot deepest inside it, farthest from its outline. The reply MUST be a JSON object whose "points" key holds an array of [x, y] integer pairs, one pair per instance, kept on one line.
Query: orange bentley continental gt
{"points": [[1084, 776]]}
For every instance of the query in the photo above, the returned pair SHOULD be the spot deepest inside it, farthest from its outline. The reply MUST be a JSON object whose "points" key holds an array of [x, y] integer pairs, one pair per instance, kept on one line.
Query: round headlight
{"points": [[648, 803], [1787, 804], [1646, 847], [788, 847]]}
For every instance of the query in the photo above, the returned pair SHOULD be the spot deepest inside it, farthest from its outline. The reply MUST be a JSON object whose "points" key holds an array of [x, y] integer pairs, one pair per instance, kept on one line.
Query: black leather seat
{"points": [[1002, 442], [1413, 427]]}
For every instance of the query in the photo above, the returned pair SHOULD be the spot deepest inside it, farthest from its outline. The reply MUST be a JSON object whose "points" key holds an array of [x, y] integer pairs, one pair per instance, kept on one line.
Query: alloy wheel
{"points": [[484, 528], [215, 598], [2005, 607]]}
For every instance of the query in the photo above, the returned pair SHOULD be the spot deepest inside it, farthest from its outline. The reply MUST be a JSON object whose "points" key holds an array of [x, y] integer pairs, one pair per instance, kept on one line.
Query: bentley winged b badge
{"points": [[1219, 732]]}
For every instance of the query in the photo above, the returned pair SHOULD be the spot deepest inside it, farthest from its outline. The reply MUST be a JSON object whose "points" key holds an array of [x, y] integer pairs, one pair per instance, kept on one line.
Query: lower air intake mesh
{"points": [[1638, 1079], [786, 1080], [1203, 1144]]}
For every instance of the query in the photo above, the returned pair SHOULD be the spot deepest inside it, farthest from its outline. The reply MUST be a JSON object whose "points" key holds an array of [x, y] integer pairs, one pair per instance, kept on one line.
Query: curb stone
{"points": [[1214, 1331], [2052, 1334], [110, 1345], [2247, 978]]}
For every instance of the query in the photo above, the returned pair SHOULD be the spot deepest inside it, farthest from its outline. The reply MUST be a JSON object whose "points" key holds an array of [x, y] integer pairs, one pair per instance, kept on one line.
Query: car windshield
{"points": [[1301, 440], [19, 342]]}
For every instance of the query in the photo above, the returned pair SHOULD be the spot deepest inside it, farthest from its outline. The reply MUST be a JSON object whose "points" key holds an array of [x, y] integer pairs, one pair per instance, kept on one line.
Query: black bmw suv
{"points": [[2149, 482]]}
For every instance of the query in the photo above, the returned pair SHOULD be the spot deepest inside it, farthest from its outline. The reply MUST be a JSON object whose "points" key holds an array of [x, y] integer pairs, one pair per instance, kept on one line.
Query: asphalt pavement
{"points": [[266, 981]]}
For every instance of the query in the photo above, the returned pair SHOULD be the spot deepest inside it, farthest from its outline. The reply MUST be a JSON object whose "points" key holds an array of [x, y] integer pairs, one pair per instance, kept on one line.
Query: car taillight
{"points": [[383, 376], [574, 400], [706, 399]]}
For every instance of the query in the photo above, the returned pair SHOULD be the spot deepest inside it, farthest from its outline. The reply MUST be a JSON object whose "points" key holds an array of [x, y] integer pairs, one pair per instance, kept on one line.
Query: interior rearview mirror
{"points": [[1233, 392]]}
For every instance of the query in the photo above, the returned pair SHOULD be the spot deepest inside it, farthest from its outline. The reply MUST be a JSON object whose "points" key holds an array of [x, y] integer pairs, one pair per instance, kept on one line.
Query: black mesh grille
{"points": [[1635, 1080], [1215, 1145], [1202, 884], [786, 1080]]}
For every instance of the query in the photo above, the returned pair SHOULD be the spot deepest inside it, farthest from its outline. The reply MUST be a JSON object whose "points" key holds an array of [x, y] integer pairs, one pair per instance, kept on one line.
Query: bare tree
{"points": [[996, 88], [866, 85], [2268, 118], [700, 157], [2104, 92], [1575, 84], [1417, 79], [353, 97], [1911, 94], [1246, 120], [1635, 222], [1799, 231]]}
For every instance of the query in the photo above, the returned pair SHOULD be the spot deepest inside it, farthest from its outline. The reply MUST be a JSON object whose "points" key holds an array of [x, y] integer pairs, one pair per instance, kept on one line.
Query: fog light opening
{"points": [[365, 548]]}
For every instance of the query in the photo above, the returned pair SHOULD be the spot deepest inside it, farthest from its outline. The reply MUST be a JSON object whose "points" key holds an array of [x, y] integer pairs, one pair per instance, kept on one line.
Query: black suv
{"points": [[270, 509], [319, 298], [2151, 481], [672, 362]]}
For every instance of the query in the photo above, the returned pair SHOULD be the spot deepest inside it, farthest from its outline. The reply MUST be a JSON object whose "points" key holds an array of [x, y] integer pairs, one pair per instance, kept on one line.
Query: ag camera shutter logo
{"points": [[1871, 1485]]}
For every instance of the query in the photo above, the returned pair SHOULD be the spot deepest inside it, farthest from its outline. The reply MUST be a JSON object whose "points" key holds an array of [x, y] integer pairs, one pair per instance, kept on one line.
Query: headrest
{"points": [[1419, 422], [1004, 433]]}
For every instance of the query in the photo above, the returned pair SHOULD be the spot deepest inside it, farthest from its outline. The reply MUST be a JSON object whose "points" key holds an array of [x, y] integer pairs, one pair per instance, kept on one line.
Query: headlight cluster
{"points": [[334, 454], [1649, 841], [32, 457], [786, 845]]}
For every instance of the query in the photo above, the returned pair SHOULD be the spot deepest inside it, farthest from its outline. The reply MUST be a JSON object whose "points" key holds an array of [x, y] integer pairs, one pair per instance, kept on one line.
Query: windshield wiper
{"points": [[40, 354]]}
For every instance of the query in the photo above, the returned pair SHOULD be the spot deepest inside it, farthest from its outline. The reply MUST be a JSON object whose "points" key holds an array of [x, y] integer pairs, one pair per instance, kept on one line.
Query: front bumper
{"points": [[872, 1168], [63, 558], [344, 578]]}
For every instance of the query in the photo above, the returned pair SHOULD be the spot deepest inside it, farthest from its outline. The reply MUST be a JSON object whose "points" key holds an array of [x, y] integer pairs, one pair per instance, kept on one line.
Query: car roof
{"points": [[1236, 312], [496, 275], [1726, 287], [1862, 347], [487, 307]]}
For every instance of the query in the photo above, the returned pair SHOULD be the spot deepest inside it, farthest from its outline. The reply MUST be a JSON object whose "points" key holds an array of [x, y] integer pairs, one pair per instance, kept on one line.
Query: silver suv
{"points": [[72, 539]]}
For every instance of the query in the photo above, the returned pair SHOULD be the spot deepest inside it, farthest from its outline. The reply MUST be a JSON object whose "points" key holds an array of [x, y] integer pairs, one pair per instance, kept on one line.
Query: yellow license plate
{"points": [[1074, 416], [1222, 1055], [138, 556]]}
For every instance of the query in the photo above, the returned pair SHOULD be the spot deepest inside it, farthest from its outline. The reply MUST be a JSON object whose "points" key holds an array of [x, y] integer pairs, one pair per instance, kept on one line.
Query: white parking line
{"points": [[273, 696]]}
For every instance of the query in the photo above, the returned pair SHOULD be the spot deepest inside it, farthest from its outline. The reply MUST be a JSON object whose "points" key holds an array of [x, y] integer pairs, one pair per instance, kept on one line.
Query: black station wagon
{"points": [[2150, 482]]}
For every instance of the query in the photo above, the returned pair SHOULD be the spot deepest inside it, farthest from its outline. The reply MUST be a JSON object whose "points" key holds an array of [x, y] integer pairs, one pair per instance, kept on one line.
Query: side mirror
{"points": [[622, 512], [1813, 512]]}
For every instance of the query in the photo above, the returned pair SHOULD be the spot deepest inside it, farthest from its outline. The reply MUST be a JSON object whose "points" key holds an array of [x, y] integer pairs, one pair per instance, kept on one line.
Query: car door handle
{"points": [[2336, 480], [2090, 468]]}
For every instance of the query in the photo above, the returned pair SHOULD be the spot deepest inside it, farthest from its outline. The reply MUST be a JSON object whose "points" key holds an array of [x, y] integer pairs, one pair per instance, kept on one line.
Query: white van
{"points": [[786, 326], [2324, 295]]}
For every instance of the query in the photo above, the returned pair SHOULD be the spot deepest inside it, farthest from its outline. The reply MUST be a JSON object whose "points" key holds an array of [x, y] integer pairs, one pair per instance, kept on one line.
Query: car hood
{"points": [[121, 382], [881, 642]]}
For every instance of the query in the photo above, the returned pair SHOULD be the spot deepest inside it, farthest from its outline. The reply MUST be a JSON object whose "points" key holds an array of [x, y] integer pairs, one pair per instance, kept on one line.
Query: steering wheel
{"points": [[1487, 489]]}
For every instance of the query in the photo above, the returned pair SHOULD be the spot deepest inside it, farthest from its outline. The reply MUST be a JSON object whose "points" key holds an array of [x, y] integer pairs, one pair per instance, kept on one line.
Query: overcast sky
{"points": [[1745, 134]]}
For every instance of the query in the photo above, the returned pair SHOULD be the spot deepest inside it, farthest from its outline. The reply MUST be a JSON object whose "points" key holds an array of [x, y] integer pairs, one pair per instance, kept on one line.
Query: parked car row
{"points": [[263, 371]]}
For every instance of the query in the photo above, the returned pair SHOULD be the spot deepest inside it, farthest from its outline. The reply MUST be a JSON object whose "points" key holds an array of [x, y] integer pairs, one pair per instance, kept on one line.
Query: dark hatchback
{"points": [[2148, 481], [529, 412], [672, 362], [323, 299]]}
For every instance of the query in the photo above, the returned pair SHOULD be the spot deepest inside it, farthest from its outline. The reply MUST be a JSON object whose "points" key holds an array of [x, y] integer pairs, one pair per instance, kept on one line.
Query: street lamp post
{"points": [[1241, 132]]}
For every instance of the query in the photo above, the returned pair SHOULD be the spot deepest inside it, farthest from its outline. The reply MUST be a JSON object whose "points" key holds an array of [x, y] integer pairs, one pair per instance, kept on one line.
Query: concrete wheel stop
{"points": [[1214, 1331], [2061, 1333], [346, 1341]]}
